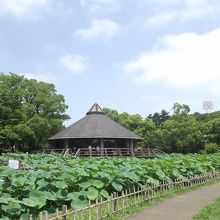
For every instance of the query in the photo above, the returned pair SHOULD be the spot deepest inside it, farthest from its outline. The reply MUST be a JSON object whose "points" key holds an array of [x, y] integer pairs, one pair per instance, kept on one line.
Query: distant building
{"points": [[95, 130]]}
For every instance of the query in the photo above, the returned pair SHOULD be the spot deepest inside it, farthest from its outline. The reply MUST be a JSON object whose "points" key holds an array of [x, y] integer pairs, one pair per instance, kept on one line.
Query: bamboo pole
{"points": [[64, 212], [40, 216], [45, 215], [89, 211], [129, 195], [108, 207], [134, 194], [123, 202], [138, 195], [100, 210], [82, 214], [126, 199], [114, 202], [57, 213], [145, 192], [97, 209]]}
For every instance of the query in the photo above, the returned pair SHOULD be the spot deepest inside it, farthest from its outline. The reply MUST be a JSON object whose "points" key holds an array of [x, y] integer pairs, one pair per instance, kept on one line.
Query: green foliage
{"points": [[182, 134], [178, 133], [206, 116], [52, 181], [179, 109], [211, 148], [31, 111], [159, 118], [211, 130]]}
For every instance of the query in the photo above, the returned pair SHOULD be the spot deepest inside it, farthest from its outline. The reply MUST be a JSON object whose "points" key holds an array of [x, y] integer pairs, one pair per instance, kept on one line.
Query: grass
{"points": [[210, 212]]}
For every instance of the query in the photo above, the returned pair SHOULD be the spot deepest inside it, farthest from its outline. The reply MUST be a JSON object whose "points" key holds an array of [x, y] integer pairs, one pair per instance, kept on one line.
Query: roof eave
{"points": [[130, 138]]}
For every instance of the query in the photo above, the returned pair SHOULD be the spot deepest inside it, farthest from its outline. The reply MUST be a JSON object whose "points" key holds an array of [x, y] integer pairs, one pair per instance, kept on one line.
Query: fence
{"points": [[104, 209], [105, 152]]}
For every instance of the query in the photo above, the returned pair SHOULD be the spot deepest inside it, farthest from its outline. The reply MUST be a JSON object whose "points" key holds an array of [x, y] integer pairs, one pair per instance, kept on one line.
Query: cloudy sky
{"points": [[138, 56]]}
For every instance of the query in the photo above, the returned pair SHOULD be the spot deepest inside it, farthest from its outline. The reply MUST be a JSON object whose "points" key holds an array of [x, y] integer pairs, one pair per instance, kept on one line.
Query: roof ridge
{"points": [[95, 109]]}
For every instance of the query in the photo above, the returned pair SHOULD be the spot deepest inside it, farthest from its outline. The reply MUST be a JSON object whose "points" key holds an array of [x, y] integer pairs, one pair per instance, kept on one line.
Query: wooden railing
{"points": [[118, 152], [106, 152], [64, 153], [77, 153]]}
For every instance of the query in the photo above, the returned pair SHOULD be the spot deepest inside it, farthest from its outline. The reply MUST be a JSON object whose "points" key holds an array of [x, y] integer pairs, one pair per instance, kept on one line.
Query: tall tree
{"points": [[159, 118], [112, 113], [211, 130], [179, 109], [30, 111], [182, 134]]}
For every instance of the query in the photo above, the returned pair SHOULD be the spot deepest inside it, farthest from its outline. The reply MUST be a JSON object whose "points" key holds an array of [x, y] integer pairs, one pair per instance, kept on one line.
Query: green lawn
{"points": [[210, 212]]}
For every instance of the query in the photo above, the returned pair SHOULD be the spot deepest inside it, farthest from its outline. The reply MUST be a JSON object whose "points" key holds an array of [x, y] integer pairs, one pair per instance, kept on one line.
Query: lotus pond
{"points": [[50, 181]]}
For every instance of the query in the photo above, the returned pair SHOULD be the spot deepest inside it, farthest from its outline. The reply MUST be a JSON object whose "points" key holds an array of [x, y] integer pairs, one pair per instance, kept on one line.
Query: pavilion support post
{"points": [[66, 143], [132, 147], [128, 144], [102, 147], [135, 144]]}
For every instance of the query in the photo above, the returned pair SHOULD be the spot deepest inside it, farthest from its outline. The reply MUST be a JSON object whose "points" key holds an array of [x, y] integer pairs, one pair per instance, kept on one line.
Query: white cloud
{"points": [[74, 63], [23, 8], [183, 11], [100, 6], [161, 19], [183, 61], [104, 29]]}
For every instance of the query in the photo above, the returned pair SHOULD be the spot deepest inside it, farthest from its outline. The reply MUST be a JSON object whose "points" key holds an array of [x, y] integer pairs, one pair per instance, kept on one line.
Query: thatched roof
{"points": [[95, 125]]}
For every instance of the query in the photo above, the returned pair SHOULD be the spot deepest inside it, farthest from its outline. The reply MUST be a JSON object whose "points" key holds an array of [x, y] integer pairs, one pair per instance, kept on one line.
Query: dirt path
{"points": [[181, 207]]}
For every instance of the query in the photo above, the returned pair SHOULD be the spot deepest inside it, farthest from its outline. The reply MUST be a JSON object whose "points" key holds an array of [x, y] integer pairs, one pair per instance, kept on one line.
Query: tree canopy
{"points": [[30, 112], [180, 132], [159, 118], [179, 109]]}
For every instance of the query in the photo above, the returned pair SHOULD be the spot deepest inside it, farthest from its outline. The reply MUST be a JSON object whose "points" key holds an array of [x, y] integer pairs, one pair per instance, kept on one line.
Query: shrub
{"points": [[211, 148]]}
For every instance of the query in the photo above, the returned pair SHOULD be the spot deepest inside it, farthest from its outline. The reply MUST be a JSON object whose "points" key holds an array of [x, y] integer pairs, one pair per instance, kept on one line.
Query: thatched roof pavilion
{"points": [[95, 129]]}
